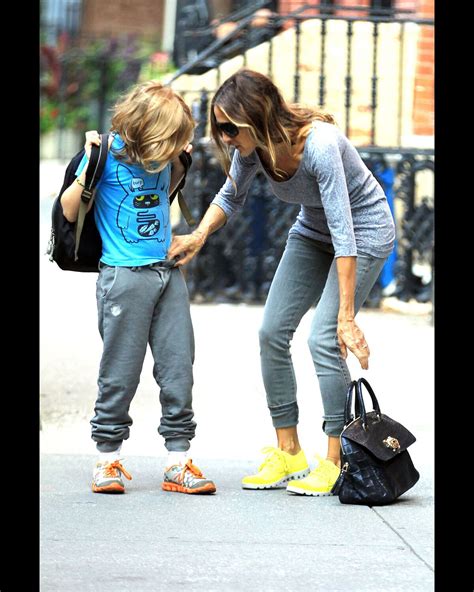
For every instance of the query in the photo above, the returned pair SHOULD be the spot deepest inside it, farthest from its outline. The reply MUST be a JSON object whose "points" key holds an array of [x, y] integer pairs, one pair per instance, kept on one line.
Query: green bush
{"points": [[92, 77]]}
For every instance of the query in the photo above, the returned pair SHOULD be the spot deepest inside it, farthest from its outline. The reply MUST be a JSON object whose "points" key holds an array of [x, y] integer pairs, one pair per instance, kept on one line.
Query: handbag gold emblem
{"points": [[392, 443]]}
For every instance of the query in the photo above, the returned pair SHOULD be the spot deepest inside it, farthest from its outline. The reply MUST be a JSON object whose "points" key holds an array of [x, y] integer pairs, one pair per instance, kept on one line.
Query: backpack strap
{"points": [[186, 161], [185, 210], [94, 172]]}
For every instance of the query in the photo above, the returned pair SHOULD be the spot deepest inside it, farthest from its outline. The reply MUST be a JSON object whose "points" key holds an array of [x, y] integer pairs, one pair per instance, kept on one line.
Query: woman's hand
{"points": [[185, 247], [92, 137], [351, 337]]}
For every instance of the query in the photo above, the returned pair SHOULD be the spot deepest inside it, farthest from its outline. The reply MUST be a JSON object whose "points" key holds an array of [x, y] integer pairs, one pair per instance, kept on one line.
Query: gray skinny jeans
{"points": [[136, 307], [307, 276]]}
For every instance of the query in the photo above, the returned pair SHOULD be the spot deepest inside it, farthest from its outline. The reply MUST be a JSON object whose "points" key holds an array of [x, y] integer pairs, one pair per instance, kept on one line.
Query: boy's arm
{"points": [[71, 197]]}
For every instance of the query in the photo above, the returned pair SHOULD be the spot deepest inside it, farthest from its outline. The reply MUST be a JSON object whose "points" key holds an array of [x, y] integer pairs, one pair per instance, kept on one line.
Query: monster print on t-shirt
{"points": [[139, 216]]}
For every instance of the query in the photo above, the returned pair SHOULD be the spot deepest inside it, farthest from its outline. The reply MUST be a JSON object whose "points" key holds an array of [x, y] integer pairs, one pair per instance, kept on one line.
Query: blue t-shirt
{"points": [[132, 212]]}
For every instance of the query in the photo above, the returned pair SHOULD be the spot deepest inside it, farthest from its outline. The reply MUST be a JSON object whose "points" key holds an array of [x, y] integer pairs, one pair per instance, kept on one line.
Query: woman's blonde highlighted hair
{"points": [[250, 99], [155, 123]]}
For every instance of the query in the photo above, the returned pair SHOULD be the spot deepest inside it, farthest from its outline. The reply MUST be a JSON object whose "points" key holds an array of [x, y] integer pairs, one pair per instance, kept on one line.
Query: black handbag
{"points": [[376, 465]]}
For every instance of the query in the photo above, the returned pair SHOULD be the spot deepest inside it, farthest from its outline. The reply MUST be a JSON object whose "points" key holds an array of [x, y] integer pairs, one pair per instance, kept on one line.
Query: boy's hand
{"points": [[92, 137]]}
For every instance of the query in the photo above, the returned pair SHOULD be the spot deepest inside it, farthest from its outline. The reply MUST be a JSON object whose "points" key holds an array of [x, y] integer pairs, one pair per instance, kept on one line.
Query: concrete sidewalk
{"points": [[236, 540]]}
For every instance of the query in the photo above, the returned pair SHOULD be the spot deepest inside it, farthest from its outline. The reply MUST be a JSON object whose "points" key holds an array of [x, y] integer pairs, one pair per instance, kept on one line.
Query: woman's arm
{"points": [[186, 246], [348, 333], [326, 164], [227, 202]]}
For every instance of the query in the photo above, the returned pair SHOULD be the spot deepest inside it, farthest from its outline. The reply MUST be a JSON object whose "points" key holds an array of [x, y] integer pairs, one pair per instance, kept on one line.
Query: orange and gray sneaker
{"points": [[108, 477], [186, 479]]}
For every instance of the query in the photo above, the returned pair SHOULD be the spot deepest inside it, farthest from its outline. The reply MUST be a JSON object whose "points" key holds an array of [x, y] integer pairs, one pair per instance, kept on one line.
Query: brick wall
{"points": [[123, 16], [423, 107], [411, 5], [359, 3], [286, 6]]}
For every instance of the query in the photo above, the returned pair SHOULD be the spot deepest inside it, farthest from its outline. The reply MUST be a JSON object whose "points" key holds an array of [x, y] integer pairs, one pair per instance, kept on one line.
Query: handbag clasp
{"points": [[392, 443]]}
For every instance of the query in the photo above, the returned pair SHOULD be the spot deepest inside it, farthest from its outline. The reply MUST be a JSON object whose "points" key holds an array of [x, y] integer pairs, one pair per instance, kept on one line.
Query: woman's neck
{"points": [[287, 159]]}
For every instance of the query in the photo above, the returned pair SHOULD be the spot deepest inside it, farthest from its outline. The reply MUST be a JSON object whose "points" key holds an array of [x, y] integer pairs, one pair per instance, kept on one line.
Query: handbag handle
{"points": [[348, 417], [360, 400]]}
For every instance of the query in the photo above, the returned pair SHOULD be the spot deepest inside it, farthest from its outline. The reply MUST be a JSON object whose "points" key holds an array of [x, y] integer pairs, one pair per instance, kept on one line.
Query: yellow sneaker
{"points": [[319, 482], [277, 469]]}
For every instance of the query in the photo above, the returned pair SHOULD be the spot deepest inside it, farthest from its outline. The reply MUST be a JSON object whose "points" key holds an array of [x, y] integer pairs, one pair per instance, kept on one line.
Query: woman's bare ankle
{"points": [[290, 447], [288, 440]]}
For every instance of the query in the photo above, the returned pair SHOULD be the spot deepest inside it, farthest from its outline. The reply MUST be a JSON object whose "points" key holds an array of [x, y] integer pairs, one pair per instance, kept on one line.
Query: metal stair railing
{"points": [[245, 16], [220, 43]]}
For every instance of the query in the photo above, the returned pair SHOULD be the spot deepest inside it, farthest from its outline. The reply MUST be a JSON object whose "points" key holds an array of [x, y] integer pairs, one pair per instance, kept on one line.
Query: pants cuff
{"points": [[333, 425], [284, 416]]}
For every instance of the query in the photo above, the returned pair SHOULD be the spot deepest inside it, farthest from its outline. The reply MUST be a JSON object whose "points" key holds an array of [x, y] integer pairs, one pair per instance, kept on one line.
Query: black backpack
{"points": [[77, 246]]}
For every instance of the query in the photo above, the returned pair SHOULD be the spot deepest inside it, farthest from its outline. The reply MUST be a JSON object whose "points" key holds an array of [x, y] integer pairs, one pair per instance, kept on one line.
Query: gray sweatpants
{"points": [[137, 306]]}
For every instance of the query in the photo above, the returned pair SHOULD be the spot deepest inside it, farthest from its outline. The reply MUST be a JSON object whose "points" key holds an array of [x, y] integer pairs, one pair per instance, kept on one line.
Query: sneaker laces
{"points": [[110, 470], [275, 458], [193, 469], [323, 468]]}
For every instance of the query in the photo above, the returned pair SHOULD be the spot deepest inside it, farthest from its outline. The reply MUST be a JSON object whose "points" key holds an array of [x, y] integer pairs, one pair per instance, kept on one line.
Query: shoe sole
{"points": [[113, 488], [278, 484], [168, 486], [298, 491]]}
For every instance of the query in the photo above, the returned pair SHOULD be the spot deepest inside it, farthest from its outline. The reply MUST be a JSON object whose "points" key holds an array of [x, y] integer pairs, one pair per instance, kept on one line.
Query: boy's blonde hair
{"points": [[155, 123]]}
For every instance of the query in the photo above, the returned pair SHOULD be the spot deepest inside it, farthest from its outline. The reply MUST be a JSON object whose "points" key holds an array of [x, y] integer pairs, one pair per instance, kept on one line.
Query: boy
{"points": [[141, 297]]}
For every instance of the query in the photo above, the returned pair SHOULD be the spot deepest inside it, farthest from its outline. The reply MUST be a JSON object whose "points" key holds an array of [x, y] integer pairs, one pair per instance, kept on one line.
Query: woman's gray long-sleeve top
{"points": [[341, 201]]}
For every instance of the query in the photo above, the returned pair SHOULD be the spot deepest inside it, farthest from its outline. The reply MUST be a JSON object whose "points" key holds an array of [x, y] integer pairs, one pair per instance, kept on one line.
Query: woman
{"points": [[335, 251]]}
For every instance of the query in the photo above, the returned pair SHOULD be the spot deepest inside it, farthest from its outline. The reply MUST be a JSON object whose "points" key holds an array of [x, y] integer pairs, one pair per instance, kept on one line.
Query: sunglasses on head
{"points": [[228, 128]]}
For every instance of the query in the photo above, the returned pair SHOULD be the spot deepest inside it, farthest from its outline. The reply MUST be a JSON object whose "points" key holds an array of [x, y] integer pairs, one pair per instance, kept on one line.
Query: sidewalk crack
{"points": [[405, 542]]}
